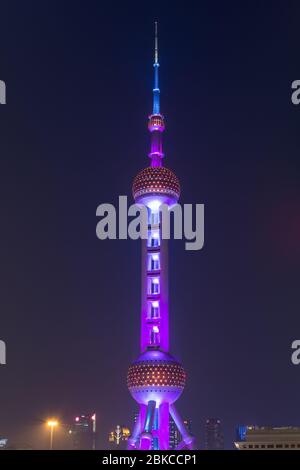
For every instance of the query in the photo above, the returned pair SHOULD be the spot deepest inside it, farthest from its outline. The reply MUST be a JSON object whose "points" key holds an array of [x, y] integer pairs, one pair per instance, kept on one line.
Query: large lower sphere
{"points": [[157, 376]]}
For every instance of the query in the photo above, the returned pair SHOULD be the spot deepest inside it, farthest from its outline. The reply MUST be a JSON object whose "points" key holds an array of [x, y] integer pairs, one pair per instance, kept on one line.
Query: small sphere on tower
{"points": [[156, 123]]}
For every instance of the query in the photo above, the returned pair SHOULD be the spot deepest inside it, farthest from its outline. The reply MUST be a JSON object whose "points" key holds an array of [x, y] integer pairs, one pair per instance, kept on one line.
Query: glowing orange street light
{"points": [[52, 423], [93, 418]]}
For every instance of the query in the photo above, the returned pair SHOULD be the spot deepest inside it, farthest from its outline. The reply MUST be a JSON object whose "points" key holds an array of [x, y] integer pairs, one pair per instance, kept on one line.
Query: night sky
{"points": [[74, 134]]}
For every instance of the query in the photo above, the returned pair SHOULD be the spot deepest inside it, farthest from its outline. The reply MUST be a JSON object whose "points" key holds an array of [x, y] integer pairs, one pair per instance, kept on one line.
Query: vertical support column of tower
{"points": [[164, 424], [156, 379]]}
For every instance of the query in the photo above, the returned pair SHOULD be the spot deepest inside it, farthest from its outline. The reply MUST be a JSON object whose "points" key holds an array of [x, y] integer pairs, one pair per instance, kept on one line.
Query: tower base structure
{"points": [[158, 438], [156, 380]]}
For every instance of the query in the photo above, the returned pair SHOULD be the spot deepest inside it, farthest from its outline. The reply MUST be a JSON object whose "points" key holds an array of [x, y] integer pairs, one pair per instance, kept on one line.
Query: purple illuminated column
{"points": [[155, 311], [156, 126]]}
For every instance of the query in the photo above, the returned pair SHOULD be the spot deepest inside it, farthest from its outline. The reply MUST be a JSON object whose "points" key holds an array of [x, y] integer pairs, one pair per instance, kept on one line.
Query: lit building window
{"points": [[153, 240], [154, 336], [153, 312], [154, 262], [155, 309], [155, 286]]}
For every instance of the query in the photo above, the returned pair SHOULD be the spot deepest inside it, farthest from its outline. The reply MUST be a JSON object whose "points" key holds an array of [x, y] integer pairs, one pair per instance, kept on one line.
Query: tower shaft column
{"points": [[154, 305]]}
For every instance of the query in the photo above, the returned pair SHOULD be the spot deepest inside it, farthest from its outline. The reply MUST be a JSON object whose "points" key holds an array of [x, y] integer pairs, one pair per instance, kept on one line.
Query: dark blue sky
{"points": [[74, 134]]}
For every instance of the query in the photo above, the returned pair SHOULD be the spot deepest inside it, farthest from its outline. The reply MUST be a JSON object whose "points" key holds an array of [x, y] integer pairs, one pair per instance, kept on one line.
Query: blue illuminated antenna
{"points": [[156, 45], [156, 104]]}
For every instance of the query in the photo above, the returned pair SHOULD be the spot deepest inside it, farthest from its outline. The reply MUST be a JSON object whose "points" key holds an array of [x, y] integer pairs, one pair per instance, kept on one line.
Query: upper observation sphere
{"points": [[156, 183]]}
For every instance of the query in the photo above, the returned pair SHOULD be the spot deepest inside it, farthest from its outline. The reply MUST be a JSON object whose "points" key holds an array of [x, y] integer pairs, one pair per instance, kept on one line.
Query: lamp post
{"points": [[52, 423], [93, 418]]}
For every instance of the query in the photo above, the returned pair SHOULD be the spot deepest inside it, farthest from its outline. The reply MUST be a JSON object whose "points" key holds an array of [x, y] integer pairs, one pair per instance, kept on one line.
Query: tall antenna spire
{"points": [[156, 45], [156, 104], [156, 120]]}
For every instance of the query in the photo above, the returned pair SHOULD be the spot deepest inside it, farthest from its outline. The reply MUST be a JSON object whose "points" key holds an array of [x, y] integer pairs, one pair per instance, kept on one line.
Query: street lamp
{"points": [[93, 418], [52, 423]]}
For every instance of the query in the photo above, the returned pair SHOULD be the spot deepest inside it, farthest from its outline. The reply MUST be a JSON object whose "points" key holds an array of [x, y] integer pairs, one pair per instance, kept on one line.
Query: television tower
{"points": [[156, 379]]}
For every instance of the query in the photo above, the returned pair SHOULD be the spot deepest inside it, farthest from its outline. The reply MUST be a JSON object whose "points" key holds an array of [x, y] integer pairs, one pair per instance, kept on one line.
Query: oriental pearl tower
{"points": [[156, 379]]}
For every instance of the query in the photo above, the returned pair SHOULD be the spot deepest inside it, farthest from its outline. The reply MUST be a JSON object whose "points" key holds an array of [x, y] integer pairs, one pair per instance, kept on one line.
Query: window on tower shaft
{"points": [[153, 239], [155, 309], [155, 262], [154, 242], [154, 336], [155, 286]]}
